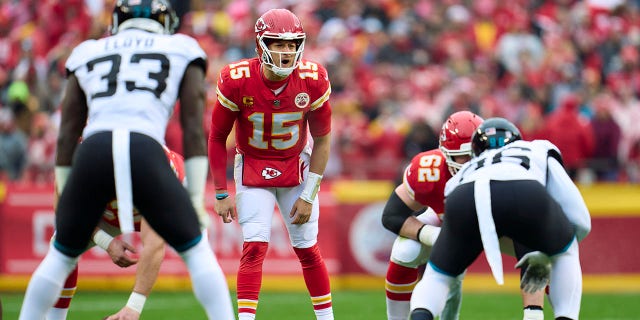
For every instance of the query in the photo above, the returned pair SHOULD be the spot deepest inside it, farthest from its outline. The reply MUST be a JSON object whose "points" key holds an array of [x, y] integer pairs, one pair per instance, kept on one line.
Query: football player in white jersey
{"points": [[148, 260], [513, 188], [120, 93]]}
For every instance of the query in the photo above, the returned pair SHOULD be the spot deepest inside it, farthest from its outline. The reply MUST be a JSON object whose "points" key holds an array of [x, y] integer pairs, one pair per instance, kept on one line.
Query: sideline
{"points": [[610, 283]]}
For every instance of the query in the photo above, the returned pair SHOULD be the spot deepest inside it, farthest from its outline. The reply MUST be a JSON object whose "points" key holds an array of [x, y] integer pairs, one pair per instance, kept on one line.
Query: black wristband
{"points": [[419, 230], [533, 307]]}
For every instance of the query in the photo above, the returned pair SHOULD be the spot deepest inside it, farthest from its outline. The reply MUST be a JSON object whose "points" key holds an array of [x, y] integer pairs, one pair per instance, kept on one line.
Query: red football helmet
{"points": [[279, 24], [455, 137]]}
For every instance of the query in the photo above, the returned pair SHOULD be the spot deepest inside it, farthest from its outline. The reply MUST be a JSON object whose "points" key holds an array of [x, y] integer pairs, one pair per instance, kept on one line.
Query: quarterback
{"points": [[276, 101]]}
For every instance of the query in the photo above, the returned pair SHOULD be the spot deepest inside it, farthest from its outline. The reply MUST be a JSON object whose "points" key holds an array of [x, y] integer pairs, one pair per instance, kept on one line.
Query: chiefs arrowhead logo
{"points": [[270, 173]]}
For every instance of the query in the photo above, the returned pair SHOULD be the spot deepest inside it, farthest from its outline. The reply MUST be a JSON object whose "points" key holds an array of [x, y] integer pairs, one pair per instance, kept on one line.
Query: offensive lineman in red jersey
{"points": [[274, 99], [423, 188], [148, 262]]}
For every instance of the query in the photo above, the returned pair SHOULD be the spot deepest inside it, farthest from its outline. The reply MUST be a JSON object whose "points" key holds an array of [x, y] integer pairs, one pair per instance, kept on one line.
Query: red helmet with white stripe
{"points": [[455, 137], [279, 24]]}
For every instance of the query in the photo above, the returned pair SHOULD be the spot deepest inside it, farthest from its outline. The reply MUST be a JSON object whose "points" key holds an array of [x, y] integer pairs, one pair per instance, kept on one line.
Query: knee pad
{"points": [[409, 253]]}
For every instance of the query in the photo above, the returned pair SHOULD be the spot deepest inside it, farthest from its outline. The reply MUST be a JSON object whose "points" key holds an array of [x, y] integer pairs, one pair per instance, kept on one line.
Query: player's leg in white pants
{"points": [[412, 254], [304, 238], [565, 287], [45, 284], [208, 281], [432, 292], [406, 256]]}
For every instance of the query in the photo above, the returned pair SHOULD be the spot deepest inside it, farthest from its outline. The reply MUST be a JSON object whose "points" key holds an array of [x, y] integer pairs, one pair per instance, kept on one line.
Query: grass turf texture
{"points": [[348, 305]]}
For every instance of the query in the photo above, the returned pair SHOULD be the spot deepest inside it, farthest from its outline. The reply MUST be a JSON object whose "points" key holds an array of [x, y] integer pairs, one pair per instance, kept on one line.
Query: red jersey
{"points": [[272, 118], [426, 177], [110, 215]]}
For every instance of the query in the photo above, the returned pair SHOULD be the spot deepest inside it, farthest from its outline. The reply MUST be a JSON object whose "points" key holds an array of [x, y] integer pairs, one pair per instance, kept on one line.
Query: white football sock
{"points": [[208, 281], [530, 314], [45, 284], [324, 314], [57, 314], [397, 310]]}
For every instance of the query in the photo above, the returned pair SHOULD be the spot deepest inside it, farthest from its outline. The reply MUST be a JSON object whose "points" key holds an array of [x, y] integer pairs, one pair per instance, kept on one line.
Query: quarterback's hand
{"points": [[125, 313], [226, 209], [118, 252], [301, 212]]}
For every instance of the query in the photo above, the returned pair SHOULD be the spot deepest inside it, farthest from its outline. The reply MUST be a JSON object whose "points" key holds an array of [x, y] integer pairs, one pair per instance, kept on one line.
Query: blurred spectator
{"points": [[626, 113], [13, 147], [604, 161], [421, 137], [633, 165], [518, 45], [41, 150], [571, 132]]}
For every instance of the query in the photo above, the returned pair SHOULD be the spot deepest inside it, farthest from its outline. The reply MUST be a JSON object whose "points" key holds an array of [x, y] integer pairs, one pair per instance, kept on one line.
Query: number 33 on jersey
{"points": [[133, 73], [272, 116]]}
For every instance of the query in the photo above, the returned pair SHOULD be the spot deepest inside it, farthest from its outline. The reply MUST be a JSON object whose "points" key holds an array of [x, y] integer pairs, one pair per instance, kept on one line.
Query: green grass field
{"points": [[348, 305]]}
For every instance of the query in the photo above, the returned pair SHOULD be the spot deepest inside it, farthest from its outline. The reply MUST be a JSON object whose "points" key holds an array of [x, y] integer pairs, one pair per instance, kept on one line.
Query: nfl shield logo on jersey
{"points": [[270, 173]]}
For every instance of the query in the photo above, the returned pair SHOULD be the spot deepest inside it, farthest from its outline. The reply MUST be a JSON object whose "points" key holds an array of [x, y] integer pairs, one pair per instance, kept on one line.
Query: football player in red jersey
{"points": [[276, 100], [423, 188], [148, 262], [518, 189]]}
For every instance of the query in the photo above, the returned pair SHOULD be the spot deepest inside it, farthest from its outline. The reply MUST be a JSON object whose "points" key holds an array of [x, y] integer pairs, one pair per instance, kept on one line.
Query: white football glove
{"points": [[536, 276]]}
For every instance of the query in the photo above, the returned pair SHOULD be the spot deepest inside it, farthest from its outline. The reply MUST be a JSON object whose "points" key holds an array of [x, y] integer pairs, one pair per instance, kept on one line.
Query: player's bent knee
{"points": [[409, 253]]}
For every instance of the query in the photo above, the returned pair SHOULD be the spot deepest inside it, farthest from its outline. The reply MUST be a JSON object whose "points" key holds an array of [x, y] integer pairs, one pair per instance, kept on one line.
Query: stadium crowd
{"points": [[564, 70]]}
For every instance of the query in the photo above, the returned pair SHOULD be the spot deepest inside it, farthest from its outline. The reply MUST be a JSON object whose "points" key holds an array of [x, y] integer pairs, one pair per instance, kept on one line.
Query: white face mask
{"points": [[268, 55]]}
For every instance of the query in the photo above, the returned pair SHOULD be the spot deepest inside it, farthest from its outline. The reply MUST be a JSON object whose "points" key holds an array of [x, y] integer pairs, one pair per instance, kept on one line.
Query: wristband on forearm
{"points": [[311, 187], [428, 234], [61, 174], [196, 169], [102, 239], [136, 302]]}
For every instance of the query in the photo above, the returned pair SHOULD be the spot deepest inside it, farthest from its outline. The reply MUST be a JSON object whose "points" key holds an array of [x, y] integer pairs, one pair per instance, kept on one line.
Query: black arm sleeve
{"points": [[395, 213]]}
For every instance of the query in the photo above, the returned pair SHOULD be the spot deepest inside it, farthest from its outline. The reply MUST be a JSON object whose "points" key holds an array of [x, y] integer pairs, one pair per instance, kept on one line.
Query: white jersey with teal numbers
{"points": [[519, 160], [134, 73], [538, 160]]}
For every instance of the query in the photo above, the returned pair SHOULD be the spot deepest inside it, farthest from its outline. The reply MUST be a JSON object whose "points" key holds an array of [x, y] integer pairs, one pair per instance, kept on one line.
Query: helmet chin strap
{"points": [[142, 24]]}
